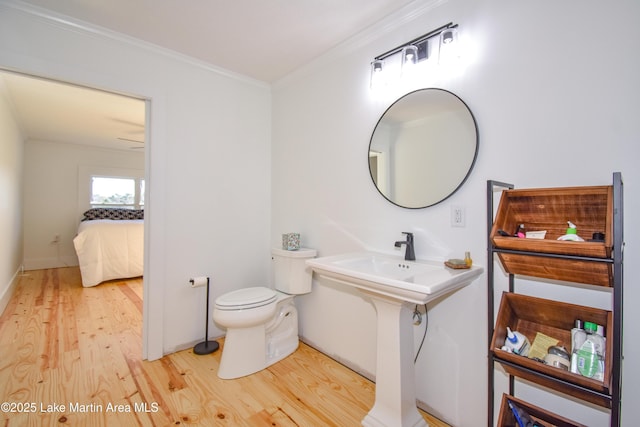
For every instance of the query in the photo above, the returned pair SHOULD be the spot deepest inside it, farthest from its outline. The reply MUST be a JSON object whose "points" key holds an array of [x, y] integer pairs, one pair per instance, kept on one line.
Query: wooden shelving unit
{"points": [[595, 209]]}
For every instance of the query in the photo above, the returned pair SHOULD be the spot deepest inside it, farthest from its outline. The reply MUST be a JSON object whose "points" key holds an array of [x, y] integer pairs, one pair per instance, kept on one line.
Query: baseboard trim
{"points": [[6, 295], [355, 368], [57, 262]]}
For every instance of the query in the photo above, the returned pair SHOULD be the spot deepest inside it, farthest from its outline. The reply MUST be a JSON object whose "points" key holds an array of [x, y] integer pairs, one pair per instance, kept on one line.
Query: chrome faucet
{"points": [[409, 254]]}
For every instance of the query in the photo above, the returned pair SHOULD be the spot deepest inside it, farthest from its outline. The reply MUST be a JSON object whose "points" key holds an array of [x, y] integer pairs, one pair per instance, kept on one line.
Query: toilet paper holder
{"points": [[206, 346]]}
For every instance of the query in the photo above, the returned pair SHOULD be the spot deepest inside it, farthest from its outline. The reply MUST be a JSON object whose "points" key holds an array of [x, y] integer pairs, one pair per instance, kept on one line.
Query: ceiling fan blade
{"points": [[126, 122], [131, 140]]}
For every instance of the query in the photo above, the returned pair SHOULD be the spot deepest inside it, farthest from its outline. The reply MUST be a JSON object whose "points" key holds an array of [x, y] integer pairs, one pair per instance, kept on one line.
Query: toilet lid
{"points": [[246, 298]]}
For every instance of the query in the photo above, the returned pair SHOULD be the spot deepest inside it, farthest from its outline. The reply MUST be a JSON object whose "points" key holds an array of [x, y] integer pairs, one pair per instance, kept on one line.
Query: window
{"points": [[141, 186], [118, 192]]}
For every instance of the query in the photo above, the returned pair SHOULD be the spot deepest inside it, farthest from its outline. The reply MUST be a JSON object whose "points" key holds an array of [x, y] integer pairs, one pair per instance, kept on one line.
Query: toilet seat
{"points": [[247, 298]]}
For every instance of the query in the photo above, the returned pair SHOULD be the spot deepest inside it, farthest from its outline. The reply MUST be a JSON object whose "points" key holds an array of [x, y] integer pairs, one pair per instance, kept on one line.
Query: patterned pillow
{"points": [[113, 213]]}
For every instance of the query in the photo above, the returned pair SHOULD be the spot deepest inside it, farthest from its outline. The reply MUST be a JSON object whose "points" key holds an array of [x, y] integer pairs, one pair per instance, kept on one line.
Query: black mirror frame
{"points": [[473, 162]]}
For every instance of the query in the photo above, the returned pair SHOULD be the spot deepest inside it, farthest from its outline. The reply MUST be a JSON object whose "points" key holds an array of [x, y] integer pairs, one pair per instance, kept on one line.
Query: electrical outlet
{"points": [[457, 216]]}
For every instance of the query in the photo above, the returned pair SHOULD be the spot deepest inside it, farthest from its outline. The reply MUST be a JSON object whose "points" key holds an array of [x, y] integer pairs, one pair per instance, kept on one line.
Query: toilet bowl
{"points": [[261, 322]]}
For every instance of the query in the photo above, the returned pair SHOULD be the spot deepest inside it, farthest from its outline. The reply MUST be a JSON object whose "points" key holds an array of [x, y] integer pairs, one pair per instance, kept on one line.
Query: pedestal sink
{"points": [[395, 286]]}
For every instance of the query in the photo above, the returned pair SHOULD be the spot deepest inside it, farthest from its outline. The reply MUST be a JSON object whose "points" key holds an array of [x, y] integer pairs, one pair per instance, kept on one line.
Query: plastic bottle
{"points": [[467, 259], [599, 335], [571, 233], [578, 337], [517, 343], [590, 355]]}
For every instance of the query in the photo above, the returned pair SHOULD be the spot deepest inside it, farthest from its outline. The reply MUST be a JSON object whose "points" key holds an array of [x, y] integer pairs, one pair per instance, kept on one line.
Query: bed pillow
{"points": [[113, 213]]}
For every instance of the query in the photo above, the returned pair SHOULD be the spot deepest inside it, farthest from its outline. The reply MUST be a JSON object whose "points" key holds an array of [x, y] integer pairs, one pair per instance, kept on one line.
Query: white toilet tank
{"points": [[290, 273]]}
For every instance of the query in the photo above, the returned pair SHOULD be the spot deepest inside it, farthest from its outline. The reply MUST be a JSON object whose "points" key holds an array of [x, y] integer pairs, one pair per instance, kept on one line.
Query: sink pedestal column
{"points": [[395, 404]]}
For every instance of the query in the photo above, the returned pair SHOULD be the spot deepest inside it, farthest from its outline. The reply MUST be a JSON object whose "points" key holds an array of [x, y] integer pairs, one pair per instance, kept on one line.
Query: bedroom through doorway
{"points": [[73, 136]]}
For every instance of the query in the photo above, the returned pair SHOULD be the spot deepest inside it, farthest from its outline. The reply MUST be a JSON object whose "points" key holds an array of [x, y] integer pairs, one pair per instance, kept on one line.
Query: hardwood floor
{"points": [[72, 356]]}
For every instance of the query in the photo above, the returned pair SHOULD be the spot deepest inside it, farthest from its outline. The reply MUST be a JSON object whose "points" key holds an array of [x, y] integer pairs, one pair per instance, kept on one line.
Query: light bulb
{"points": [[409, 55]]}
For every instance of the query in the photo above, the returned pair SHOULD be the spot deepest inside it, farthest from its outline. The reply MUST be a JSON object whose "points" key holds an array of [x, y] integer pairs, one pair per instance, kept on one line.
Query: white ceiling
{"points": [[59, 112], [261, 39]]}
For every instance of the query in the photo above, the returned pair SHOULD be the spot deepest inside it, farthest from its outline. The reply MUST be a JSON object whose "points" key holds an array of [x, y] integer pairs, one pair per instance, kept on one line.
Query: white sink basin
{"points": [[412, 281]]}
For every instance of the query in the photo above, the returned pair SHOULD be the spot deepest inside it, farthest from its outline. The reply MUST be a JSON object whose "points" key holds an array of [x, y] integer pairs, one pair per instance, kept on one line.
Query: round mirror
{"points": [[423, 148]]}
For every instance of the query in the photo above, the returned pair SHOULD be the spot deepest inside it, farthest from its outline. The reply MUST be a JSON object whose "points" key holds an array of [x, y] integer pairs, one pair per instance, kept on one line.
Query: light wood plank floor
{"points": [[72, 356]]}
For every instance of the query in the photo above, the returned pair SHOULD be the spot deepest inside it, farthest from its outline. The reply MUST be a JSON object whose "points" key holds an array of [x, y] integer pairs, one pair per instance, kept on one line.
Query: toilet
{"points": [[261, 322]]}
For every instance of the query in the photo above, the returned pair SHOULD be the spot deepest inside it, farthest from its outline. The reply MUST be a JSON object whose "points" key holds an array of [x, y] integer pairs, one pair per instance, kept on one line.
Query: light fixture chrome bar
{"points": [[415, 41]]}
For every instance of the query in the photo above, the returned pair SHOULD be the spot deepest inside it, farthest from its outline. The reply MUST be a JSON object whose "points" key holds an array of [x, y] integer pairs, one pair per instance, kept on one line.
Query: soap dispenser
{"points": [[571, 234]]}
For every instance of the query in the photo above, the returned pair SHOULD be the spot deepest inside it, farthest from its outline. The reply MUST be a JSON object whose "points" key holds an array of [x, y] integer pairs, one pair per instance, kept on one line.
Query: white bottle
{"points": [[517, 343], [590, 355], [596, 335], [600, 332], [578, 337]]}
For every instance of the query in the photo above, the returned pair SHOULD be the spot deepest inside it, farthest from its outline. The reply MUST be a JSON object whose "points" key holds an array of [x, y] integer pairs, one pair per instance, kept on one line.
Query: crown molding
{"points": [[70, 24]]}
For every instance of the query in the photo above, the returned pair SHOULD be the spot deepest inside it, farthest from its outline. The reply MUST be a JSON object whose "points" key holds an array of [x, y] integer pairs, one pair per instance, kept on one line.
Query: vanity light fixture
{"points": [[414, 51], [409, 55], [449, 35], [448, 46], [377, 73], [409, 58], [377, 66]]}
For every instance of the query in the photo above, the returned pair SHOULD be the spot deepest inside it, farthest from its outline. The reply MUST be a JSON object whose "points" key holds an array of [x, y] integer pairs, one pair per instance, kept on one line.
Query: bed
{"points": [[110, 245]]}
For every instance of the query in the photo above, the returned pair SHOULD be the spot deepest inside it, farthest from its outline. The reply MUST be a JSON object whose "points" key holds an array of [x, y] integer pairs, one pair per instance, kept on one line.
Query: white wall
{"points": [[51, 196], [556, 103], [208, 162], [11, 185]]}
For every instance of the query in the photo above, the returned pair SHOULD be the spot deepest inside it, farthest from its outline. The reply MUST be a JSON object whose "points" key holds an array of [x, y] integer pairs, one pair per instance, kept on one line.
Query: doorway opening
{"points": [[71, 133]]}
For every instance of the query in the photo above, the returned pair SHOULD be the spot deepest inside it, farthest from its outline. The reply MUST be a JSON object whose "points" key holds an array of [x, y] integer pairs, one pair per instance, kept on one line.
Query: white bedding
{"points": [[109, 249]]}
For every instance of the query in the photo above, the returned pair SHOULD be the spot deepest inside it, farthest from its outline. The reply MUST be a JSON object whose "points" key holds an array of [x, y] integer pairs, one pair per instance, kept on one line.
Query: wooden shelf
{"points": [[589, 208], [529, 315], [577, 271]]}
